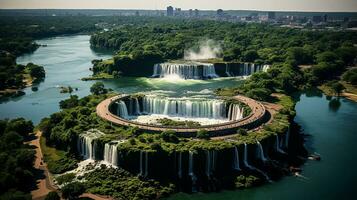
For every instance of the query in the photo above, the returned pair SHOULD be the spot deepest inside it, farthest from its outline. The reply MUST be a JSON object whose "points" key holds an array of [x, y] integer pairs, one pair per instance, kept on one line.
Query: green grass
{"points": [[99, 76], [58, 161]]}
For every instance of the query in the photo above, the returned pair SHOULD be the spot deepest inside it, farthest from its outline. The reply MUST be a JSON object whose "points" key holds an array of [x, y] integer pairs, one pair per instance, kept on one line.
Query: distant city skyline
{"points": [[264, 5]]}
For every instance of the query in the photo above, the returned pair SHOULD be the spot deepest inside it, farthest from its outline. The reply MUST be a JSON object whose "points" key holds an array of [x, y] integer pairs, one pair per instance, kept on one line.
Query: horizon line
{"points": [[138, 9]]}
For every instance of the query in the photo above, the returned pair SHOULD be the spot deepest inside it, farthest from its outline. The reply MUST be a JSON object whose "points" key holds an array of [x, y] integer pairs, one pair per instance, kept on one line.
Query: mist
{"points": [[206, 50]]}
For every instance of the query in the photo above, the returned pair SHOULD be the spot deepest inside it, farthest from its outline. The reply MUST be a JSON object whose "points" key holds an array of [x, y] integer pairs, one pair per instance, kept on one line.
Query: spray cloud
{"points": [[207, 49]]}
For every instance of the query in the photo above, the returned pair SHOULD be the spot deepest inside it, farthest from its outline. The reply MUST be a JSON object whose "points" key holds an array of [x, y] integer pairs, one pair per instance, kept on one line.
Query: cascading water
{"points": [[277, 145], [235, 112], [188, 70], [260, 152], [179, 173], [251, 167], [111, 153], [287, 136], [190, 171], [228, 71], [191, 108], [248, 69], [122, 110], [143, 168], [236, 159], [86, 144], [210, 162], [245, 159], [146, 164]]}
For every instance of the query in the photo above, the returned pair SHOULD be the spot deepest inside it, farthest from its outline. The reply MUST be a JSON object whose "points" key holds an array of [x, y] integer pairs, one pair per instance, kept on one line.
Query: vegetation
{"points": [[72, 190], [98, 88], [52, 196], [170, 122], [246, 181], [14, 76], [16, 159], [122, 185], [350, 76]]}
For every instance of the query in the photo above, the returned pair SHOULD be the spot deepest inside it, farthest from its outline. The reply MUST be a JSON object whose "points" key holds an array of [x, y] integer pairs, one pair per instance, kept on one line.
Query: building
{"points": [[177, 11], [219, 12], [271, 15], [170, 11], [197, 13], [317, 19]]}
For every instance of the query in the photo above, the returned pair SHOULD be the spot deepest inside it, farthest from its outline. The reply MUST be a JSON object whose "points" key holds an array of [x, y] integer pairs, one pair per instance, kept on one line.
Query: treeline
{"points": [[162, 39], [14, 76], [17, 175]]}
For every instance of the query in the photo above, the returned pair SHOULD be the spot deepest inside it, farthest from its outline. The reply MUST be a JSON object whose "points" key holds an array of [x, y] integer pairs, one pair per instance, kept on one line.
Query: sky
{"points": [[277, 5]]}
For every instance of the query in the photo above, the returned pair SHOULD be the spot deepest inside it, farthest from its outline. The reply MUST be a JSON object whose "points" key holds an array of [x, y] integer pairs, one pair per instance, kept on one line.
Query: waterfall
{"points": [[210, 162], [86, 144], [144, 169], [277, 145], [248, 69], [287, 136], [180, 165], [190, 170], [260, 151], [251, 167], [228, 70], [111, 153], [141, 164], [184, 107], [122, 110], [236, 159], [245, 160], [137, 106], [265, 68], [235, 112], [188, 70]]}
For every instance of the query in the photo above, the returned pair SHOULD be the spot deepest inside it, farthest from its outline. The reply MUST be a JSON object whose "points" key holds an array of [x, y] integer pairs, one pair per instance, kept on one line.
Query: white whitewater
{"points": [[179, 173], [188, 70], [86, 144], [236, 159], [111, 153], [235, 112], [251, 68], [122, 110], [141, 164], [260, 151], [185, 107]]}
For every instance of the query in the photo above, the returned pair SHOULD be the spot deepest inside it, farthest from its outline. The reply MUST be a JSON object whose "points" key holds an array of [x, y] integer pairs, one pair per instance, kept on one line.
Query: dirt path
{"points": [[43, 180], [350, 96]]}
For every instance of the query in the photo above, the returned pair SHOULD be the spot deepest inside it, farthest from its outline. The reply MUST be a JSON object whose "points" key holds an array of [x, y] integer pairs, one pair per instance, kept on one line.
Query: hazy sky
{"points": [[292, 5]]}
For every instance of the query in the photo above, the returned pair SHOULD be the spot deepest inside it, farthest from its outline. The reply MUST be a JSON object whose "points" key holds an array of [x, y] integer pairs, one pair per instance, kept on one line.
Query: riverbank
{"points": [[350, 91]]}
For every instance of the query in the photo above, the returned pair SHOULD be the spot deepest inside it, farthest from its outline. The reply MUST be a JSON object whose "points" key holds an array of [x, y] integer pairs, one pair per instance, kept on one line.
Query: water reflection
{"points": [[334, 104]]}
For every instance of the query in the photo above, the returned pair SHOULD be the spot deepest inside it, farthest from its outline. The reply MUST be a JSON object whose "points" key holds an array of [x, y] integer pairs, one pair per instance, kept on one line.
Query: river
{"points": [[332, 126]]}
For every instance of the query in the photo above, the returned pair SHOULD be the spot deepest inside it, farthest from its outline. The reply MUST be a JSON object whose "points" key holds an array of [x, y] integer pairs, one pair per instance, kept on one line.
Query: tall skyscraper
{"points": [[170, 11]]}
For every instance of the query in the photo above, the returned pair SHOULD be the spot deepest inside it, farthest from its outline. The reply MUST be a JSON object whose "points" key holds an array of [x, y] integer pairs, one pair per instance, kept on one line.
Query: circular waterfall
{"points": [[183, 115]]}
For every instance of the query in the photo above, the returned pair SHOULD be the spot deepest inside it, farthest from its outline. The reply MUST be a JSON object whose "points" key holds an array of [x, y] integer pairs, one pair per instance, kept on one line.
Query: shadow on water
{"points": [[334, 104]]}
